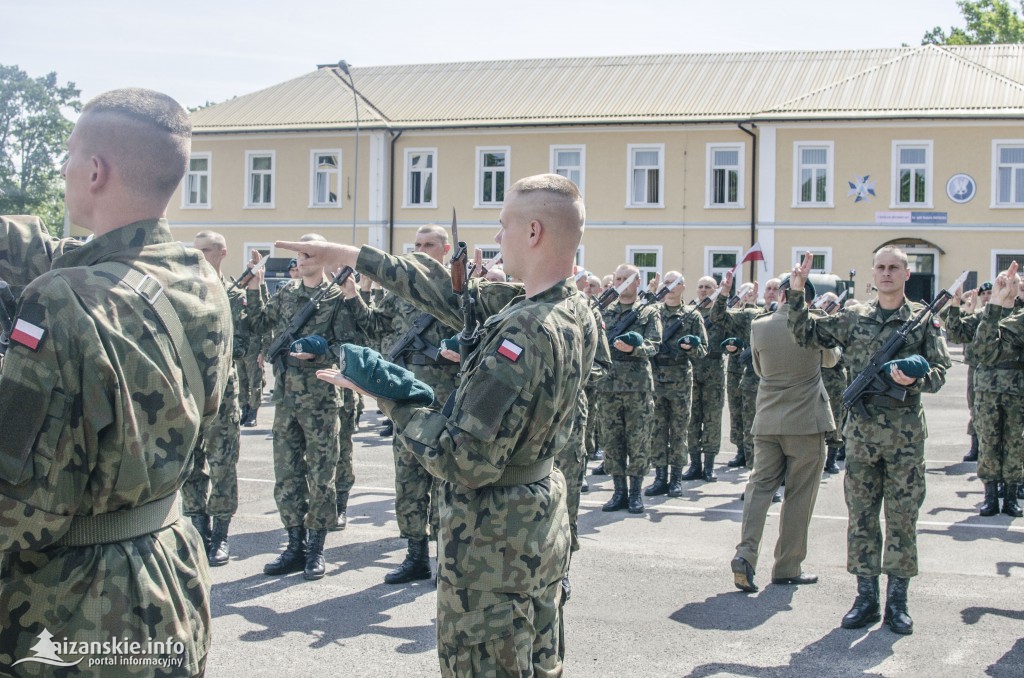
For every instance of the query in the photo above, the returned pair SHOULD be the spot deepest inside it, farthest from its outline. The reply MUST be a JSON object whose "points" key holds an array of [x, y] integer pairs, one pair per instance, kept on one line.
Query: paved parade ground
{"points": [[652, 594]]}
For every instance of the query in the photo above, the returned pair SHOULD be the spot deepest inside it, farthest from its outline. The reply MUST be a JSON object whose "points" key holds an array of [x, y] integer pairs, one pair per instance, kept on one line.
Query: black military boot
{"points": [[244, 415], [865, 606], [599, 470], [202, 524], [695, 471], [660, 484], [830, 460], [740, 460], [293, 559], [896, 615], [1010, 505], [972, 454], [618, 500], [841, 452], [634, 501], [218, 552], [415, 566], [342, 512], [675, 482], [990, 506], [315, 555], [709, 468], [388, 429], [250, 420]]}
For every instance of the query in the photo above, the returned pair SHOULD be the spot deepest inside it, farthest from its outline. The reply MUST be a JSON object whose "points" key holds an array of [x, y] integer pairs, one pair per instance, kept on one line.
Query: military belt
{"points": [[525, 475], [912, 400], [107, 528], [714, 355], [1010, 365]]}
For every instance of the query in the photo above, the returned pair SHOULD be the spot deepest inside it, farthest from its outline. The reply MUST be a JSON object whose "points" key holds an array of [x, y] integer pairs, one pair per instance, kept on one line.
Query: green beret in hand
{"points": [[314, 344], [733, 341], [451, 343], [368, 370], [913, 366], [632, 338], [691, 340]]}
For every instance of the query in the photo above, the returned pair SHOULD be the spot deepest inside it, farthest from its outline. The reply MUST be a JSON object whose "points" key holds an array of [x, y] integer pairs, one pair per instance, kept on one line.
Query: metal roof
{"points": [[928, 81]]}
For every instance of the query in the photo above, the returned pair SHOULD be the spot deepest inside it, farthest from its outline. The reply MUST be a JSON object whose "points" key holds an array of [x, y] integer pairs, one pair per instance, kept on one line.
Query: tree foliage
{"points": [[989, 22], [33, 134]]}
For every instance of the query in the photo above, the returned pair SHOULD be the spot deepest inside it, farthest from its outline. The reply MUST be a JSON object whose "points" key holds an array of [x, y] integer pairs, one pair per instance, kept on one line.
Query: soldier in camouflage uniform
{"points": [[673, 382], [961, 330], [211, 491], [999, 385], [626, 394], [306, 421], [396, 320], [885, 449], [102, 404], [747, 294], [704, 436], [504, 529], [835, 379]]}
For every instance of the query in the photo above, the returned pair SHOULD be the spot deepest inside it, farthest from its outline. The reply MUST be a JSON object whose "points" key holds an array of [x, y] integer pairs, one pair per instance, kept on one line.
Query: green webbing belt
{"points": [[524, 475], [107, 528]]}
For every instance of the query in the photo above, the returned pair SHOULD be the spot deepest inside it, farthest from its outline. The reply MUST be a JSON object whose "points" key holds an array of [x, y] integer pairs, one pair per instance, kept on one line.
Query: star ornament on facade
{"points": [[863, 188]]}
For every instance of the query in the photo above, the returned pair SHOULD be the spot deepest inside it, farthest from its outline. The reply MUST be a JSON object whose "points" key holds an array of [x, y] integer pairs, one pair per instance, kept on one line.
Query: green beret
{"points": [[985, 287], [691, 340], [451, 343], [314, 344], [733, 341], [632, 338], [913, 366], [368, 370]]}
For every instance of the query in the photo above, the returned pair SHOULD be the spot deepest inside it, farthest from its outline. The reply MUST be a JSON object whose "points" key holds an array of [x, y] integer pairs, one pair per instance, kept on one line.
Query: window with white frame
{"points": [[259, 179], [646, 175], [912, 172], [266, 249], [492, 174], [647, 259], [725, 175], [325, 186], [822, 262], [813, 180], [196, 190], [1001, 260], [420, 167], [568, 161], [720, 260], [1009, 174]]}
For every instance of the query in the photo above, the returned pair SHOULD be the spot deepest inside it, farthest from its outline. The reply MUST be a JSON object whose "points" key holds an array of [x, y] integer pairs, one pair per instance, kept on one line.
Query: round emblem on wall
{"points": [[961, 188]]}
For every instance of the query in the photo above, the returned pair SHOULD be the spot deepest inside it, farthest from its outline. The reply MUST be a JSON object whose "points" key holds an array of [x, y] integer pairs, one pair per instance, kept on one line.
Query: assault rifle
{"points": [[249, 273], [469, 337], [873, 380], [628, 319], [8, 310], [413, 340], [612, 293], [278, 350]]}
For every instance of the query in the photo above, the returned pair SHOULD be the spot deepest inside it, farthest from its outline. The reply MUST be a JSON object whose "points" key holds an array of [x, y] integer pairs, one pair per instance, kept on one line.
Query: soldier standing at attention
{"points": [[884, 450], [705, 433], [121, 352], [306, 422], [673, 381], [836, 379], [747, 294], [961, 326], [504, 525], [626, 394], [211, 491]]}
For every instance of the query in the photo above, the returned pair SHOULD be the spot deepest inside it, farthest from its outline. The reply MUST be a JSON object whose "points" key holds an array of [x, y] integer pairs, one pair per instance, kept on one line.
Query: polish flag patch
{"points": [[510, 350], [27, 334]]}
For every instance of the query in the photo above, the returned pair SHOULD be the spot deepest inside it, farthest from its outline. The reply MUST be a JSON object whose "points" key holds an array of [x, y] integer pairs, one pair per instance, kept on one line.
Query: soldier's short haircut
{"points": [[150, 138], [896, 251], [435, 229], [629, 267], [312, 237], [556, 185], [708, 279], [213, 237], [745, 288], [676, 274]]}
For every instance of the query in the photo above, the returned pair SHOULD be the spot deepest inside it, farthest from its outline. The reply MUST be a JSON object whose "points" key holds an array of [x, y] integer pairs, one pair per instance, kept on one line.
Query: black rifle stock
{"points": [[628, 319], [469, 337], [278, 350], [413, 340], [8, 311]]}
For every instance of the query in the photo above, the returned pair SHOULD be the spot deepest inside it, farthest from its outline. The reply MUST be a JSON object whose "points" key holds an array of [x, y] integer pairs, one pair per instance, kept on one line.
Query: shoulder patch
{"points": [[28, 328], [510, 350], [935, 323]]}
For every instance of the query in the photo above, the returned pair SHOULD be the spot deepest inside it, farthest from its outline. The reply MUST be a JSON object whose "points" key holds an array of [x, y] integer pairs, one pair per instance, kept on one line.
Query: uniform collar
{"points": [[116, 243]]}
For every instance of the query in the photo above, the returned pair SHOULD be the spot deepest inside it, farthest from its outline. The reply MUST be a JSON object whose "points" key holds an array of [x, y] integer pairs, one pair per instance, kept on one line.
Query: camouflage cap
{"points": [[314, 344], [913, 366], [368, 370]]}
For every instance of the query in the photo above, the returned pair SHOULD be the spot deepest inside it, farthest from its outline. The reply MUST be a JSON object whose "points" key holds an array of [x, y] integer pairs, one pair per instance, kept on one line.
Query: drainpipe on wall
{"points": [[753, 193], [391, 194]]}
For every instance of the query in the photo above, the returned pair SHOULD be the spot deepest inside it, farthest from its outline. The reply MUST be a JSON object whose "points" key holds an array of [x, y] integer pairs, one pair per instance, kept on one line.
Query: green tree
{"points": [[989, 22], [33, 134]]}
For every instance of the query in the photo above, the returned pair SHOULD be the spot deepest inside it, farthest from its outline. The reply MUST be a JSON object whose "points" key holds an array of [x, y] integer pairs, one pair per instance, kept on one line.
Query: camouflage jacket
{"points": [[999, 352], [671, 360], [715, 331], [98, 419], [961, 328], [632, 371], [514, 407], [239, 319], [736, 322], [860, 331], [334, 320]]}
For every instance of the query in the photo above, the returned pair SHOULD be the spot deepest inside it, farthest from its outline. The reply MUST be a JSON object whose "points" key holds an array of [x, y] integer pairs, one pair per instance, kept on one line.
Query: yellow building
{"points": [[684, 160]]}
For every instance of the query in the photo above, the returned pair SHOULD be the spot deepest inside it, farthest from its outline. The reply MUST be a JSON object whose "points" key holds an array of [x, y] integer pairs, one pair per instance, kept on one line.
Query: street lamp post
{"points": [[343, 66]]}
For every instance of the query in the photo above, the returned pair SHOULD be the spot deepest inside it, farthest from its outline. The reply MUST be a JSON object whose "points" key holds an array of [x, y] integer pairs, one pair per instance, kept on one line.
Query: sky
{"points": [[210, 51]]}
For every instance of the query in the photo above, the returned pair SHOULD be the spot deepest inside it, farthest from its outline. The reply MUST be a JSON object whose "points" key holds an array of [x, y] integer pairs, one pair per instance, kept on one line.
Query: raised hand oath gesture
{"points": [[726, 284], [1004, 287], [798, 276]]}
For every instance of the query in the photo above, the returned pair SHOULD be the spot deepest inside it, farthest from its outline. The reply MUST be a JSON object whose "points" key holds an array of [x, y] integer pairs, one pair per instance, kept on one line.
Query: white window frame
{"points": [[631, 150], [659, 260], [249, 155], [998, 144], [709, 194], [248, 247], [406, 203], [797, 255], [313, 204], [829, 168], [480, 152], [408, 248], [711, 250], [929, 170], [185, 204], [996, 253], [582, 150]]}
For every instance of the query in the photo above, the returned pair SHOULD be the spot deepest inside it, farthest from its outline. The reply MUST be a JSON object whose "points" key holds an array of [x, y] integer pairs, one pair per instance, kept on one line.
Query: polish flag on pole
{"points": [[753, 254]]}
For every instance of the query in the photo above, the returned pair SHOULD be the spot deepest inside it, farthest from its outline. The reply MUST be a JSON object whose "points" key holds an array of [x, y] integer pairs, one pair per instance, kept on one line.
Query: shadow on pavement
{"points": [[735, 610], [1010, 663], [994, 522]]}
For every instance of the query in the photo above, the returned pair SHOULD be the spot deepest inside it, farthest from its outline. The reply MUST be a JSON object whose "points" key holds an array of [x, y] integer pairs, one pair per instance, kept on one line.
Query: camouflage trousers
{"points": [[627, 420], [415, 495], [705, 432], [344, 474], [895, 474], [486, 633], [971, 429], [571, 460], [734, 397], [250, 377], [671, 420], [590, 435], [305, 457], [1000, 425], [212, 487], [835, 383]]}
